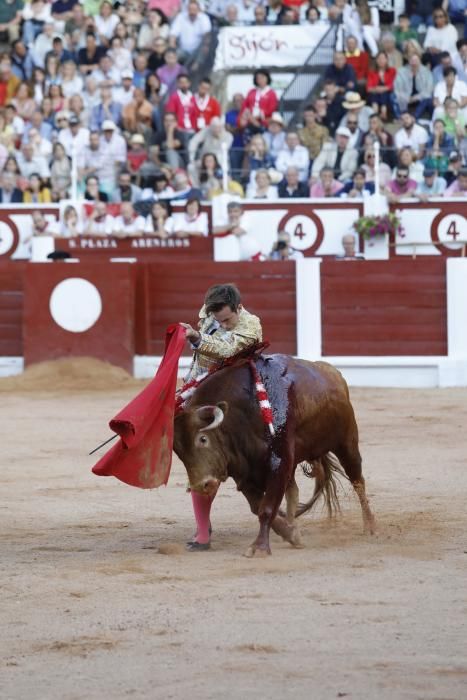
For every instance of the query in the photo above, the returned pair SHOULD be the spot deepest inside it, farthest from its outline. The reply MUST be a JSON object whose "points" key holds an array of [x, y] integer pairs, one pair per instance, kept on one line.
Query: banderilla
{"points": [[103, 443]]}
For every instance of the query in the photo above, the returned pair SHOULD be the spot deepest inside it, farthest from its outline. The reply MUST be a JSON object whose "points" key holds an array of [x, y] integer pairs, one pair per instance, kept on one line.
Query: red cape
{"points": [[143, 455]]}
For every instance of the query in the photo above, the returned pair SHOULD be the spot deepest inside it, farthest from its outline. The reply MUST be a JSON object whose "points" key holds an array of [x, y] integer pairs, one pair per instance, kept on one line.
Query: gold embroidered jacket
{"points": [[216, 344]]}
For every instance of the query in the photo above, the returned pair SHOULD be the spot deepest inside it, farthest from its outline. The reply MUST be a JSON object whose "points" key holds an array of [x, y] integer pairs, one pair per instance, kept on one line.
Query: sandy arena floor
{"points": [[98, 599]]}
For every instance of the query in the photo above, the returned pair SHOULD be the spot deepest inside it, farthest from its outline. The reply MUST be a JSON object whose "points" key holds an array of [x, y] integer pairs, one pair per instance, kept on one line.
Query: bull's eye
{"points": [[202, 440]]}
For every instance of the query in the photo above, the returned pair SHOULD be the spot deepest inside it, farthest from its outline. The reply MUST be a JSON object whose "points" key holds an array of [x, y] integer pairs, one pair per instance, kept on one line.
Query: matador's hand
{"points": [[191, 334]]}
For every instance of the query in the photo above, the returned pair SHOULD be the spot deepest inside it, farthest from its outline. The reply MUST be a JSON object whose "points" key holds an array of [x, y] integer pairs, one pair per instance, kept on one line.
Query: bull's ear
{"points": [[224, 406]]}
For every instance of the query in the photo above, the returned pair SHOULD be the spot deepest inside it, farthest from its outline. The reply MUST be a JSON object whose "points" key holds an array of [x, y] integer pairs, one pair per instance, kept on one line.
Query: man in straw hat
{"points": [[355, 104]]}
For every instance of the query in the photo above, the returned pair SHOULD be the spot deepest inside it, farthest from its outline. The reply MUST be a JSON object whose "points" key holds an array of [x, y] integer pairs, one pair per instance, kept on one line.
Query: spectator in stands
{"points": [[411, 134], [60, 172], [236, 153], [124, 94], [160, 188], [128, 224], [413, 88], [183, 190], [291, 187], [71, 82], [380, 85], [21, 62], [403, 32], [192, 222], [106, 110], [159, 223], [378, 133], [458, 188], [106, 22], [260, 103], [451, 87], [438, 147], [141, 72], [107, 74], [42, 226], [366, 23], [90, 55], [99, 222], [440, 37], [407, 158], [239, 225], [368, 166], [358, 59], [154, 27], [258, 156], [204, 107], [388, 45], [274, 136], [170, 142], [355, 105], [338, 156], [341, 73], [260, 16], [454, 167], [206, 176], [23, 102], [458, 14], [113, 155], [10, 19], [126, 191], [30, 163], [460, 59], [454, 120], [212, 139], [180, 103], [294, 154], [74, 138], [93, 192], [136, 155], [170, 70], [9, 82], [137, 115], [445, 61], [431, 186], [70, 225], [349, 244], [156, 58], [401, 187], [189, 31], [282, 249], [37, 192], [262, 187], [9, 193], [312, 135], [358, 187], [326, 186]]}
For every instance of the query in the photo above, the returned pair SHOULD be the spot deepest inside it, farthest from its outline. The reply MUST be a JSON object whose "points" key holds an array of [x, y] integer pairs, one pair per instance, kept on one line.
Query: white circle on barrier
{"points": [[451, 228], [75, 304], [302, 231], [6, 238]]}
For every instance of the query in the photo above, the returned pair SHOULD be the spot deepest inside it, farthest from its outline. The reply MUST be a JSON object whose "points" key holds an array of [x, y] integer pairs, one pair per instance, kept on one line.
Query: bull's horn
{"points": [[217, 413]]}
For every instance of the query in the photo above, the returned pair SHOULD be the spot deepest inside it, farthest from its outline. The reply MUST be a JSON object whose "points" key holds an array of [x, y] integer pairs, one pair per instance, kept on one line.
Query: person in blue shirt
{"points": [[342, 73], [357, 187]]}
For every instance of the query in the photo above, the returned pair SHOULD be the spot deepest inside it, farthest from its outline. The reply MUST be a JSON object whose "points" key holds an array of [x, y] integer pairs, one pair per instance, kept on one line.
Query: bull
{"points": [[221, 433]]}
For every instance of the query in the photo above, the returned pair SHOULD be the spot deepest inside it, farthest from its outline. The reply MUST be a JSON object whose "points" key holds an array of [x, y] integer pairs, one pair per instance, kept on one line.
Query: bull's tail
{"points": [[326, 471]]}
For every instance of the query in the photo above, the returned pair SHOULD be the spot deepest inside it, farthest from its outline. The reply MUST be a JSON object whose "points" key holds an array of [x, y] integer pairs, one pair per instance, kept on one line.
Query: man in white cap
{"points": [[74, 138], [114, 150], [124, 94], [275, 135], [338, 155]]}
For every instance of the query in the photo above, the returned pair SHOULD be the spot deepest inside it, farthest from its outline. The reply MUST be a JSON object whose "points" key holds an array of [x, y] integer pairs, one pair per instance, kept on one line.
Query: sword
{"points": [[103, 443]]}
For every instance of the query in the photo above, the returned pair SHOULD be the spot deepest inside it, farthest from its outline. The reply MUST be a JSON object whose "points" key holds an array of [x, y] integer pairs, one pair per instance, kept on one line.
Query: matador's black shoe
{"points": [[198, 546]]}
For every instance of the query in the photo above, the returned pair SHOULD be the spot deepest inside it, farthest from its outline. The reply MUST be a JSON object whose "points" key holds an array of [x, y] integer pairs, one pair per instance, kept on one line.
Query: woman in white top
{"points": [[442, 37], [106, 21], [159, 223], [71, 82], [120, 55], [261, 188], [155, 27], [193, 222], [70, 225]]}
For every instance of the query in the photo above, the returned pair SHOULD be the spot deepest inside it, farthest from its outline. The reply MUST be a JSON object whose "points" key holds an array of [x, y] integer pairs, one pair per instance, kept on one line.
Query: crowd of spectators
{"points": [[118, 89]]}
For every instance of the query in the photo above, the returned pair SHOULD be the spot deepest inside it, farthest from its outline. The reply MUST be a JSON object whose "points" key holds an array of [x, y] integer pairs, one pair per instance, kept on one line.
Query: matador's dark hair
{"points": [[220, 295]]}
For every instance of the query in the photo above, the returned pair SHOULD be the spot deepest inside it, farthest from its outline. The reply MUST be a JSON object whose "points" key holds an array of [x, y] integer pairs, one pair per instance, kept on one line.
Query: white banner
{"points": [[256, 47]]}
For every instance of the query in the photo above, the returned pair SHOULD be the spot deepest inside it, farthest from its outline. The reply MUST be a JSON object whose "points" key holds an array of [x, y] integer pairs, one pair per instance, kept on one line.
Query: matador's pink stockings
{"points": [[202, 510]]}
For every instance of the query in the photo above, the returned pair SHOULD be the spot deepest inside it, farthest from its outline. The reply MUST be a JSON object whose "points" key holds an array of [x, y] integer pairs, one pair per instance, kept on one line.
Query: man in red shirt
{"points": [[180, 103], [203, 106]]}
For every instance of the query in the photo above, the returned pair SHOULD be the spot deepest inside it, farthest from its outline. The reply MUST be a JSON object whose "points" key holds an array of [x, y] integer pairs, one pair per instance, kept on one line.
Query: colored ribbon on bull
{"points": [[143, 455]]}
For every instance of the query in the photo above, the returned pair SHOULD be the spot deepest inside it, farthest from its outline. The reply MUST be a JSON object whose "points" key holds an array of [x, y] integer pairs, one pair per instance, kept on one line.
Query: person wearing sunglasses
{"points": [[401, 187], [441, 37]]}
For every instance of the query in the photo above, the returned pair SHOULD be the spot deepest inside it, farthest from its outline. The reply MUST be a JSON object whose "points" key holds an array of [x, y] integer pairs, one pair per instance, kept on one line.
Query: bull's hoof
{"points": [[369, 526], [296, 539], [257, 552]]}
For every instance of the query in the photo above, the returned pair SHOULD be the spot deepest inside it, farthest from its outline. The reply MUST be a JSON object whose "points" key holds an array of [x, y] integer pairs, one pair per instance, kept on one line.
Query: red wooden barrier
{"points": [[11, 309], [395, 307], [176, 292]]}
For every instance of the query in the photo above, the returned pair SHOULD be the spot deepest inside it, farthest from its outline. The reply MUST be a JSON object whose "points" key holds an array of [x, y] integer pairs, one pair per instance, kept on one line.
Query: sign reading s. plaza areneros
{"points": [[146, 242]]}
